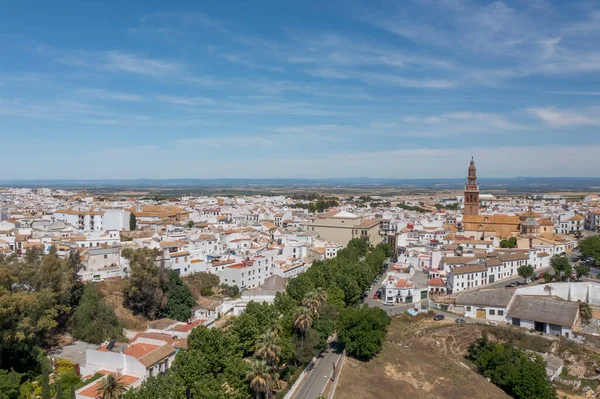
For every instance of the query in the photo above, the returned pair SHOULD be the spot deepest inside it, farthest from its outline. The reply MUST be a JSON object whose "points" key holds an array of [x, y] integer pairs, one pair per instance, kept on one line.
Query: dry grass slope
{"points": [[114, 296], [421, 359]]}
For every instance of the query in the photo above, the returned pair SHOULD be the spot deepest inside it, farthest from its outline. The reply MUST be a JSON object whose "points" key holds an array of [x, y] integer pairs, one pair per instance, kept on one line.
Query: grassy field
{"points": [[425, 359]]}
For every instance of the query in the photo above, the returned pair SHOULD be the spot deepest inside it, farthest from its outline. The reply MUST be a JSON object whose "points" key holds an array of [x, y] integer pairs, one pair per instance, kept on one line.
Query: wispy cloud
{"points": [[191, 101], [383, 79], [567, 118], [238, 59], [108, 95], [128, 62]]}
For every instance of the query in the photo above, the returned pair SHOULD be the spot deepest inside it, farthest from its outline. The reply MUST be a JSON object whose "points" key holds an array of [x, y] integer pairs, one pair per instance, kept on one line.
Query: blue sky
{"points": [[158, 89]]}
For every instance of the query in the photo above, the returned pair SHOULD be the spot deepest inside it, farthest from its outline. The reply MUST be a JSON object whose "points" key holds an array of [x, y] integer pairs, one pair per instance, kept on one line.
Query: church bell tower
{"points": [[471, 192]]}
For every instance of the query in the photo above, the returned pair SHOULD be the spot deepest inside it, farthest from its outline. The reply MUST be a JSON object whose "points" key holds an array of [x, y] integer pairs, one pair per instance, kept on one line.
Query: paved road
{"points": [[314, 383]]}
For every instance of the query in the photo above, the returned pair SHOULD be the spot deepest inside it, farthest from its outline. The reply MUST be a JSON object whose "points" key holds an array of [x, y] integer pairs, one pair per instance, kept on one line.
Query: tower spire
{"points": [[471, 191]]}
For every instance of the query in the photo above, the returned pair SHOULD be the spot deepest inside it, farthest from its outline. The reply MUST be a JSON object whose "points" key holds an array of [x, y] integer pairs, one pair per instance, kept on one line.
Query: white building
{"points": [[546, 314], [466, 277]]}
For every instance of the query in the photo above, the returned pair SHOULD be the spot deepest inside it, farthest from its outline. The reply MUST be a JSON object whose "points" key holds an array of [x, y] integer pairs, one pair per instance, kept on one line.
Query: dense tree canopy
{"points": [[590, 247], [94, 320], [362, 330], [144, 290], [520, 374], [179, 299], [38, 294]]}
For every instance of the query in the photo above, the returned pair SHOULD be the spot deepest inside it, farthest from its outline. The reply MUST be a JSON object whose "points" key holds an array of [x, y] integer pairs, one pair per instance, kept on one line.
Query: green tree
{"points": [[94, 320], [582, 271], [590, 247], [167, 386], [335, 296], [144, 290], [132, 222], [511, 242], [212, 366], [302, 321], [526, 271], [268, 349], [520, 374], [362, 330], [190, 224], [179, 299], [58, 390], [73, 395], [299, 286], [112, 387], [547, 277], [10, 383], [260, 378], [45, 379], [312, 302], [561, 266]]}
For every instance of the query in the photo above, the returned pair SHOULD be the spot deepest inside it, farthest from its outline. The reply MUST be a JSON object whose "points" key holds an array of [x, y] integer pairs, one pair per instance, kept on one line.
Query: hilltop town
{"points": [[475, 258]]}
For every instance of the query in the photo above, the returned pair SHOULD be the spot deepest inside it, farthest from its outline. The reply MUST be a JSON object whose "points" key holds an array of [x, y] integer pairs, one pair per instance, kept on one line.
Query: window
{"points": [[468, 308], [492, 312], [105, 256], [501, 313], [176, 260]]}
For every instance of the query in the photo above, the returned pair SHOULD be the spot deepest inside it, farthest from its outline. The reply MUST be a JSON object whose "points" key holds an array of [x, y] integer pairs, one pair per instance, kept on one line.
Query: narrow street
{"points": [[315, 381]]}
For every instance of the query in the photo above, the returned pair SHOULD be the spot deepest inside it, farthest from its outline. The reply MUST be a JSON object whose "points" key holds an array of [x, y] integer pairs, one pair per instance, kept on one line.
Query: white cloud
{"points": [[238, 59], [567, 118], [383, 79], [129, 62], [192, 101], [109, 95]]}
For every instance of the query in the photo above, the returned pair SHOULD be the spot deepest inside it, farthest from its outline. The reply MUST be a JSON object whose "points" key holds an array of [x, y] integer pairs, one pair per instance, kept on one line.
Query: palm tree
{"points": [[311, 301], [321, 295], [259, 377], [268, 349], [549, 289], [303, 321], [112, 387]]}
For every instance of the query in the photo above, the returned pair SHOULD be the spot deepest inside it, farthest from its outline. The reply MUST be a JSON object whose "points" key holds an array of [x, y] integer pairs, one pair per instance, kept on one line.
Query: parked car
{"points": [[512, 285], [376, 296], [460, 321], [491, 323], [439, 317]]}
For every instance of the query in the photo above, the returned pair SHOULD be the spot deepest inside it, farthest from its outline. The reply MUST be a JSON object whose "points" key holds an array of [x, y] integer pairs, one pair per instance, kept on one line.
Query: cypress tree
{"points": [[45, 379], [58, 389]]}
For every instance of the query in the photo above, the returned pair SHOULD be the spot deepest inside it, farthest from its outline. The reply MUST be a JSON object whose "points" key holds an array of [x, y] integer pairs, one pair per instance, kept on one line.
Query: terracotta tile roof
{"points": [[404, 283], [156, 355], [169, 339], [469, 269], [436, 282], [139, 350]]}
